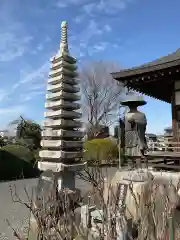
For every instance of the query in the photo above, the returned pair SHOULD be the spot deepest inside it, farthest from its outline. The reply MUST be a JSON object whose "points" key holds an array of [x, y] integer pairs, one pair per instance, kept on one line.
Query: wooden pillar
{"points": [[174, 116], [176, 112]]}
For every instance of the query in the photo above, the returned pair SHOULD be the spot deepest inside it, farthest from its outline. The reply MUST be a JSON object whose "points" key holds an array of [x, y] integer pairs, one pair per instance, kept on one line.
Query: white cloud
{"points": [[12, 46], [37, 86], [10, 113], [16, 85], [88, 8], [38, 74], [105, 6], [47, 39], [34, 82], [40, 47], [30, 95], [94, 31], [77, 1], [108, 28], [12, 109], [3, 94], [61, 4], [101, 46], [83, 38], [14, 39], [79, 19], [115, 45], [37, 49]]}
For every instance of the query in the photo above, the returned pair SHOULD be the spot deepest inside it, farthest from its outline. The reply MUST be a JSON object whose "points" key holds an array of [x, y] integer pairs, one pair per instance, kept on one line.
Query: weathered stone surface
{"points": [[134, 127], [151, 197], [46, 184], [47, 189], [138, 175], [51, 203]]}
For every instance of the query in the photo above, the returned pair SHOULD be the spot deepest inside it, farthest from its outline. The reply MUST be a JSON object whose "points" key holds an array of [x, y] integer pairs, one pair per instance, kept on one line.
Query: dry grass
{"points": [[57, 216]]}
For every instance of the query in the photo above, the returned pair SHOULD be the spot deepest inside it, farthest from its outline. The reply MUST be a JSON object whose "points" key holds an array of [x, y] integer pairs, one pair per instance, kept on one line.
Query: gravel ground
{"points": [[16, 213]]}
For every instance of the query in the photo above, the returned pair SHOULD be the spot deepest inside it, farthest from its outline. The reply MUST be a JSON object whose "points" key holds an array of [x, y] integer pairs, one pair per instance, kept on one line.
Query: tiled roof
{"points": [[170, 57], [170, 60]]}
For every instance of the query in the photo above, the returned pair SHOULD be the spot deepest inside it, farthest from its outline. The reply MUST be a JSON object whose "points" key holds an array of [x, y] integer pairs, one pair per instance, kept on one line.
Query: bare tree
{"points": [[101, 94]]}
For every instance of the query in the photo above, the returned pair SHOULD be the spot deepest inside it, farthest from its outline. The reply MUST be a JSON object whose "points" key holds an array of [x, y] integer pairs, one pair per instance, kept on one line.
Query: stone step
{"points": [[61, 78], [63, 63], [61, 123], [61, 144], [63, 95], [58, 57], [62, 133], [62, 104], [64, 71], [63, 86], [48, 154], [62, 114]]}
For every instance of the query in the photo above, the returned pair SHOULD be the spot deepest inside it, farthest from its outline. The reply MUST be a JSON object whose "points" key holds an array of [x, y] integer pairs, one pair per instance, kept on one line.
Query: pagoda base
{"points": [[59, 167], [64, 173]]}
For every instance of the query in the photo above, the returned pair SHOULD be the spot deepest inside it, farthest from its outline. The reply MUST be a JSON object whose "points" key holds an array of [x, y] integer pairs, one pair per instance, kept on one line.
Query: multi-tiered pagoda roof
{"points": [[62, 138]]}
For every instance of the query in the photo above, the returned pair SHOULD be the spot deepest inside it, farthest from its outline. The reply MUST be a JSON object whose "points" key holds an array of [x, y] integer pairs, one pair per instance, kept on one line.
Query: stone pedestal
{"points": [[137, 175], [65, 173]]}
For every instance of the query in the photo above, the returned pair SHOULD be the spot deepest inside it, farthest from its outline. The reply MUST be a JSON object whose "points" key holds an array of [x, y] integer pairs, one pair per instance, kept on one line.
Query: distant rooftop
{"points": [[151, 135], [8, 133]]}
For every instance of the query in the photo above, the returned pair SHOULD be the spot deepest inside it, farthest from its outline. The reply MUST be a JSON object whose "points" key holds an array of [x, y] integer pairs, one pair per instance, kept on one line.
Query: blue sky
{"points": [[128, 32]]}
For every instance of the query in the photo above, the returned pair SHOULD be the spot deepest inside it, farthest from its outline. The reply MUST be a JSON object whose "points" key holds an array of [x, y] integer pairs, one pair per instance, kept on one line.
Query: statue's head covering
{"points": [[133, 100]]}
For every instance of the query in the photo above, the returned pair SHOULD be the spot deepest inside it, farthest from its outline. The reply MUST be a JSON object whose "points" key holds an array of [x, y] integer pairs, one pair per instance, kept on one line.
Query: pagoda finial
{"points": [[64, 40]]}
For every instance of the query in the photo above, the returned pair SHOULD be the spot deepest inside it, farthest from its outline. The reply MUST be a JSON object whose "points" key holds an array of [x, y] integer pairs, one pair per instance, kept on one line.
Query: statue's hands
{"points": [[132, 122]]}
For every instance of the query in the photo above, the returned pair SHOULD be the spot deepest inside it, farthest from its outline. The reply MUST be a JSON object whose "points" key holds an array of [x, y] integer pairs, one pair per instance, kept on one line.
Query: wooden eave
{"points": [[157, 84], [144, 69], [154, 79]]}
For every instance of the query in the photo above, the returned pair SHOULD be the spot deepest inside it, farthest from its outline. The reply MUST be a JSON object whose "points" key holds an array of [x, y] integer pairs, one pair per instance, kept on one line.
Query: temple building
{"points": [[159, 79]]}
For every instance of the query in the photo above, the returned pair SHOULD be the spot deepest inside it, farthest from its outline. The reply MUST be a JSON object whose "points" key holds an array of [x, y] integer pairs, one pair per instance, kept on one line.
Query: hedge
{"points": [[100, 151], [19, 151], [16, 162]]}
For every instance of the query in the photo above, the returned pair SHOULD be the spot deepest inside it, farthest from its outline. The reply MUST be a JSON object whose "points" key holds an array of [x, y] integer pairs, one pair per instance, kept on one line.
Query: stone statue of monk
{"points": [[135, 127]]}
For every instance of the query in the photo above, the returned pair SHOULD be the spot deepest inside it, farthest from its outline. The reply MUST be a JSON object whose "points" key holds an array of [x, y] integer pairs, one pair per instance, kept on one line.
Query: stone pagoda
{"points": [[61, 135]]}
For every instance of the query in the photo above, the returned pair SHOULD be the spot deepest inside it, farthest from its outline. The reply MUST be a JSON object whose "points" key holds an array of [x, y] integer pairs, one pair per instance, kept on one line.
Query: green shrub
{"points": [[17, 162], [100, 151], [19, 151], [12, 167], [36, 156]]}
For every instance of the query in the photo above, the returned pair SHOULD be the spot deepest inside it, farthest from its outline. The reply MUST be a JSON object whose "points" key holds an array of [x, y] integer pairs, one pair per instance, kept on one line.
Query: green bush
{"points": [[17, 162], [100, 151], [19, 151], [36, 157]]}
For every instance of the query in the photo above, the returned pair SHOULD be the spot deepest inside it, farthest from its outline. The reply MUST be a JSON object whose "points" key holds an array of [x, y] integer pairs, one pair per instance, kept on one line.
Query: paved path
{"points": [[17, 214]]}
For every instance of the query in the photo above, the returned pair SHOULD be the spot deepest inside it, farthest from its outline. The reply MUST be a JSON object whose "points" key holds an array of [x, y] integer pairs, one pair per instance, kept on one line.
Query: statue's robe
{"points": [[135, 128]]}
